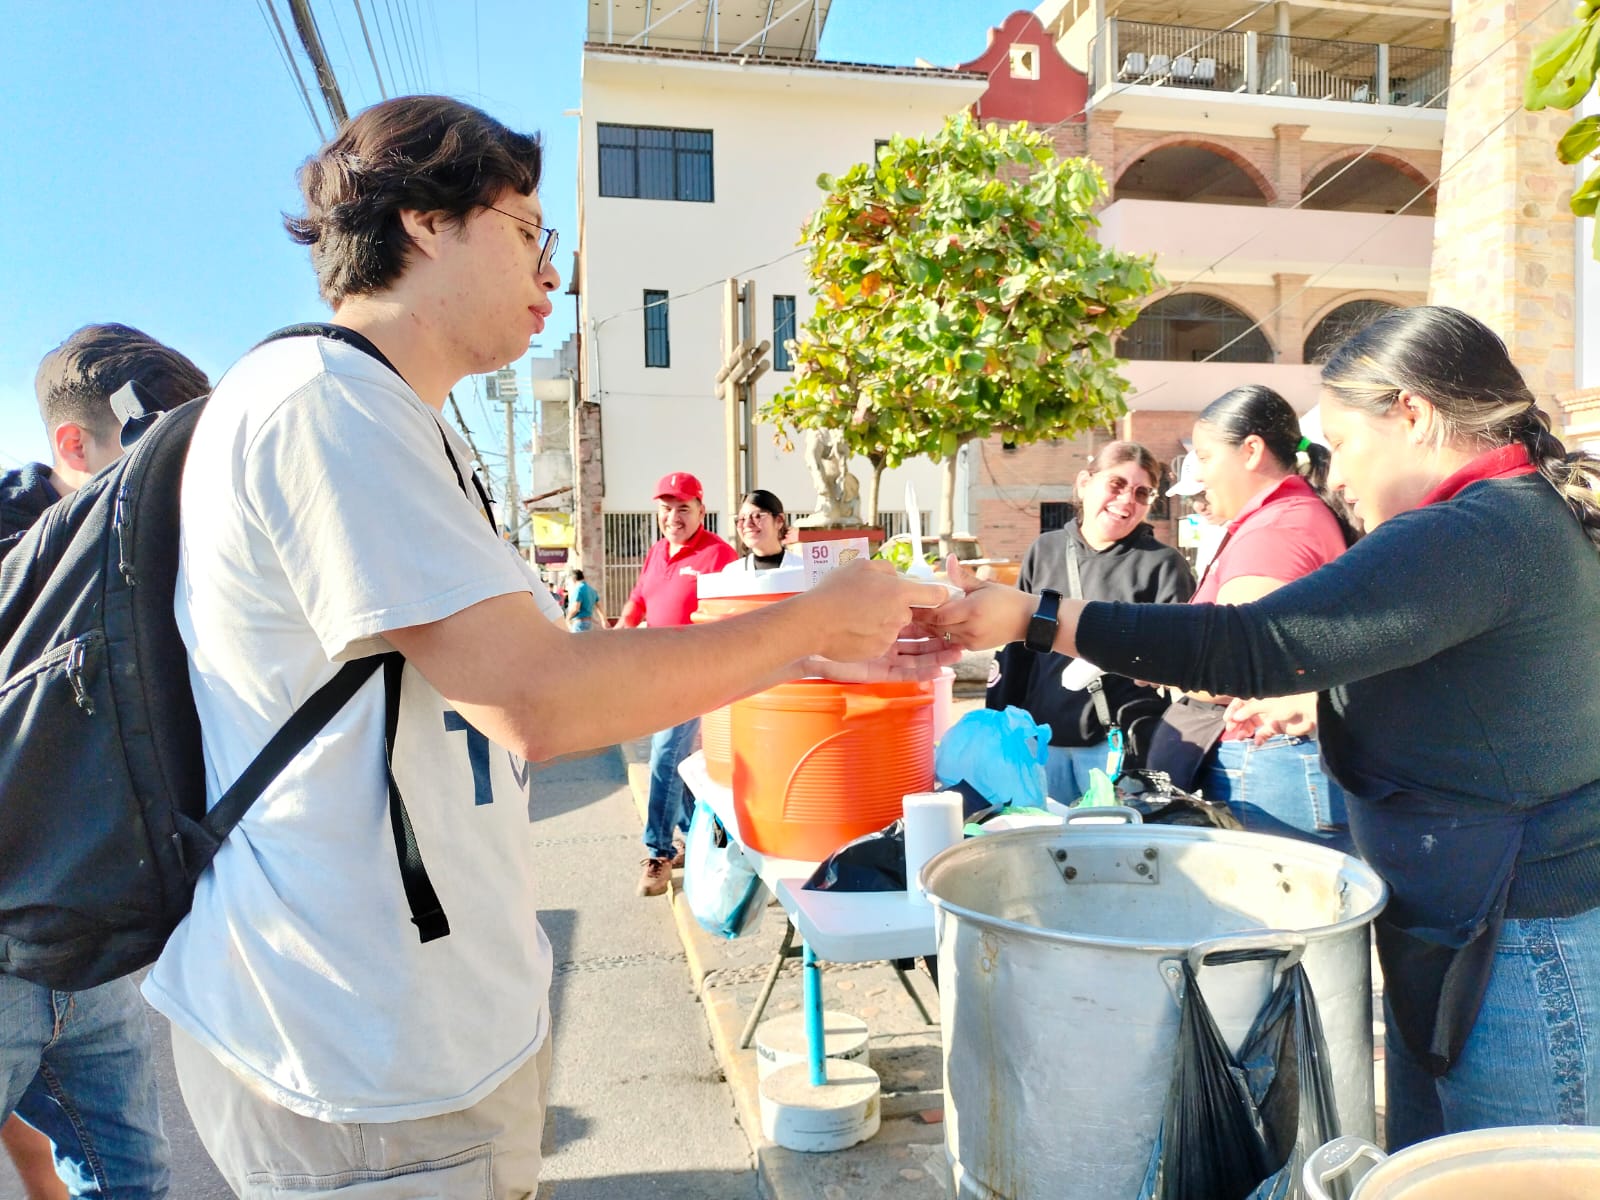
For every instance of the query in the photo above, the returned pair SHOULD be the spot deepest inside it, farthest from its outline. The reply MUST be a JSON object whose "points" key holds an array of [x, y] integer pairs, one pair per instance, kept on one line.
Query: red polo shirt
{"points": [[1285, 532], [665, 593]]}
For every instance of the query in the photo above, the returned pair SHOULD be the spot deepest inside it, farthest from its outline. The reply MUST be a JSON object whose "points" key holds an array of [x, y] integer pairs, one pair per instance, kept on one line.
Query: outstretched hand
{"points": [[985, 616]]}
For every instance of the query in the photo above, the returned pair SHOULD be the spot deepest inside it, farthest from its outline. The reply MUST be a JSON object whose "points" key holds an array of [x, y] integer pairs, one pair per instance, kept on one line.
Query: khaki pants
{"points": [[487, 1152]]}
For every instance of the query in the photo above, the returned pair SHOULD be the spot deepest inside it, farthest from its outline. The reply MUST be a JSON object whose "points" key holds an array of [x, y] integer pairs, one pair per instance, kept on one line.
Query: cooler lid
{"points": [[780, 581]]}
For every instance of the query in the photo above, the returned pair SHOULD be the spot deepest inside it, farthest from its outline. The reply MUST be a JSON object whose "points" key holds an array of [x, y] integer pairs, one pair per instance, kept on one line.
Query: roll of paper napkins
{"points": [[933, 823]]}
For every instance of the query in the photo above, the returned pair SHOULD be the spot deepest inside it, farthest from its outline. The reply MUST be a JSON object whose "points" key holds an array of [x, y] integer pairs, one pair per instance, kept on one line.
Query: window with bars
{"points": [[657, 346], [1193, 328], [645, 162], [782, 331], [1055, 514]]}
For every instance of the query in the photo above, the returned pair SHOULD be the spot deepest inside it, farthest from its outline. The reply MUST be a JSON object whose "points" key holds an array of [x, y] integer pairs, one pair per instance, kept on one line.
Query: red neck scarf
{"points": [[1506, 462]]}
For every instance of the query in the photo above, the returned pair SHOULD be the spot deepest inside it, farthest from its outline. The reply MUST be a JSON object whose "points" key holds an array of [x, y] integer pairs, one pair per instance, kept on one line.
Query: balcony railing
{"points": [[1142, 52]]}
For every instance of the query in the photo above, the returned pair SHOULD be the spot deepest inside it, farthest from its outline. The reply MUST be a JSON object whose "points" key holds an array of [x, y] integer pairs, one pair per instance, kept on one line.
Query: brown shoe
{"points": [[653, 879], [677, 854]]}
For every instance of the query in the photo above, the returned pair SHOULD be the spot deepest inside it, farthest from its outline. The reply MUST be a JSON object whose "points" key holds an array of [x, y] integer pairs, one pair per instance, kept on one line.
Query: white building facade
{"points": [[698, 165]]}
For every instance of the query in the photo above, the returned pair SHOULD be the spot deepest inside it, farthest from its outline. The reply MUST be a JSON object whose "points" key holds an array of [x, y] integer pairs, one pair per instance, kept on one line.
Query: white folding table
{"points": [[840, 926]]}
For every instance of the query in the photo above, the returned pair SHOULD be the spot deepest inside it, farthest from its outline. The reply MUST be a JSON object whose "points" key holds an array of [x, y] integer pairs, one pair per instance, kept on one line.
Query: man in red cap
{"points": [[666, 595]]}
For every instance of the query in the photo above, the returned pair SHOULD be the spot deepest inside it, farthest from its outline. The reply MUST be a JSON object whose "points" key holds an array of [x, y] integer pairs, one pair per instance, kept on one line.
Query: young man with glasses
{"points": [[326, 516]]}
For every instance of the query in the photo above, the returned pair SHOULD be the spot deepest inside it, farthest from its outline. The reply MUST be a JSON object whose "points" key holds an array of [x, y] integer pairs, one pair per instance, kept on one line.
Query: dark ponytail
{"points": [[1257, 411], [1465, 371]]}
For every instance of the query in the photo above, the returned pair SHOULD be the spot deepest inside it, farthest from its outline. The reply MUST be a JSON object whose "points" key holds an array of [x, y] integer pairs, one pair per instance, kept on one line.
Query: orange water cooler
{"points": [[812, 764]]}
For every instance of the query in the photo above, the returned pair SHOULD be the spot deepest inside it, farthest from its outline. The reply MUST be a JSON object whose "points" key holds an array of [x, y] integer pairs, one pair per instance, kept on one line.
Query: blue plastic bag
{"points": [[724, 892], [1000, 753]]}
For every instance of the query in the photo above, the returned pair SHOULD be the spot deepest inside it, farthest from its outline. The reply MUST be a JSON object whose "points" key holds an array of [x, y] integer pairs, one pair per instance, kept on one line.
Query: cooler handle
{"points": [[1328, 1162]]}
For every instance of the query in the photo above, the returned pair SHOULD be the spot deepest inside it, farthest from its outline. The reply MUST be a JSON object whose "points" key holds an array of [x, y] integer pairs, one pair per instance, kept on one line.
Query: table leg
{"points": [[785, 952], [905, 982], [813, 1004]]}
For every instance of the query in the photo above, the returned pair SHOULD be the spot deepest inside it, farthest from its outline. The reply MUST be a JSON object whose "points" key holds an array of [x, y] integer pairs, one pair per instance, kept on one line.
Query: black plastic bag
{"points": [[874, 862], [1154, 796], [1211, 1145], [1241, 1128], [1285, 1059]]}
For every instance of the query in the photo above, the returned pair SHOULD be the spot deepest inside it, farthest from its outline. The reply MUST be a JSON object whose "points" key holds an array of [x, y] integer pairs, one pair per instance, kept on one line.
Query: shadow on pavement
{"points": [[666, 1185]]}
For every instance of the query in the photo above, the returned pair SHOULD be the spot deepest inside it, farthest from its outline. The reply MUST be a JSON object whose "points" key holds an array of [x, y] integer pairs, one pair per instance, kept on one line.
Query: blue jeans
{"points": [[1533, 1056], [1278, 787], [77, 1067], [671, 802], [1067, 770]]}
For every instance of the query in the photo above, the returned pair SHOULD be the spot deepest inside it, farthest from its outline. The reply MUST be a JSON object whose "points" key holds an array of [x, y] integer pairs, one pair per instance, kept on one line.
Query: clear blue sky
{"points": [[150, 150]]}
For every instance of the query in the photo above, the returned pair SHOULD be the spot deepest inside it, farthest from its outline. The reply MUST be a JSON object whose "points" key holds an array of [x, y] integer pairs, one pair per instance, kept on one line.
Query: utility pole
{"points": [[513, 500], [743, 362], [305, 25]]}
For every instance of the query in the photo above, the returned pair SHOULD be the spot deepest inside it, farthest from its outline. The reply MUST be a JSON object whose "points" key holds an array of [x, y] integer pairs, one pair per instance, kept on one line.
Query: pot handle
{"points": [[1248, 947], [1327, 1163], [1103, 814]]}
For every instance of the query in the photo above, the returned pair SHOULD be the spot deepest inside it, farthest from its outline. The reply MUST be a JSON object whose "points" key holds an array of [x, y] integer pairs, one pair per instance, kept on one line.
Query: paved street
{"points": [[638, 1110]]}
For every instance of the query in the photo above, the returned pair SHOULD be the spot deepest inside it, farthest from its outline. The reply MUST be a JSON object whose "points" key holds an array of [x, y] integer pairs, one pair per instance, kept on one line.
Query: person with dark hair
{"points": [[324, 1042], [763, 527], [1266, 485], [77, 1066], [583, 604], [1454, 653], [1109, 553]]}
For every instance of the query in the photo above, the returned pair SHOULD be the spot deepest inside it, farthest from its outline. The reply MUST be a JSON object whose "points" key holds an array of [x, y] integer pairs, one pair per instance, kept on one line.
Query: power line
{"points": [[281, 41], [703, 287], [339, 26], [305, 24], [377, 23], [400, 48], [360, 16], [419, 51]]}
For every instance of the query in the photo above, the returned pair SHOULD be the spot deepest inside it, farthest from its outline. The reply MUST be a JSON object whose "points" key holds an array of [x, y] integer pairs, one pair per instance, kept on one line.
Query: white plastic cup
{"points": [[933, 823]]}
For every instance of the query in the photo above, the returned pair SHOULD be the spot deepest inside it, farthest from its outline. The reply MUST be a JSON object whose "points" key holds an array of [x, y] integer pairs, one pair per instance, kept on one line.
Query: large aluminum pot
{"points": [[1060, 960], [1530, 1162]]}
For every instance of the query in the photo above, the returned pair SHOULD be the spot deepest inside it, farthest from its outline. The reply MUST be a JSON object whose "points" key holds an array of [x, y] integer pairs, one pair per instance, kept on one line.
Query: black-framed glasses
{"points": [[547, 251], [1116, 485]]}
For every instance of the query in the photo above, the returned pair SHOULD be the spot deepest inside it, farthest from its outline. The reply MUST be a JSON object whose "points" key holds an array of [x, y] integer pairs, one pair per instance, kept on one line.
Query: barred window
{"points": [[782, 331], [645, 162], [657, 346]]}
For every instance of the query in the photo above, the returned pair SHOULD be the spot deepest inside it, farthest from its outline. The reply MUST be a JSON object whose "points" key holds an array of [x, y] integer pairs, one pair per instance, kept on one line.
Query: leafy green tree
{"points": [[1563, 73], [960, 293]]}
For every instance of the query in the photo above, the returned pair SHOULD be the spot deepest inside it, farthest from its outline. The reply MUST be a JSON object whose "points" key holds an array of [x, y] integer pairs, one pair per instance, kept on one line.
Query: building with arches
{"points": [[1278, 161]]}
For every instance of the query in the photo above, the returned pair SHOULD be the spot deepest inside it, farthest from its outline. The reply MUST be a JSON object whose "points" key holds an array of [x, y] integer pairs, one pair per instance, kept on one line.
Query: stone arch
{"points": [[1388, 162], [1193, 324], [1269, 193]]}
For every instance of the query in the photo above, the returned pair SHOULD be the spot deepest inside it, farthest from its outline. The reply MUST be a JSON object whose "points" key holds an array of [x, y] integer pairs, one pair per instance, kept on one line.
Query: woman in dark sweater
{"points": [[1455, 651]]}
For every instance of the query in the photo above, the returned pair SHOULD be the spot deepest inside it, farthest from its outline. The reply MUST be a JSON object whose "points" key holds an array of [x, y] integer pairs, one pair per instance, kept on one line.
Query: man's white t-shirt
{"points": [[320, 510]]}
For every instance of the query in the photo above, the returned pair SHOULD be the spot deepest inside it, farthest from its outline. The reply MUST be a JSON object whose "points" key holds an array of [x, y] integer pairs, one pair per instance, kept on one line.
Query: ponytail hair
{"points": [[1257, 411], [1463, 369]]}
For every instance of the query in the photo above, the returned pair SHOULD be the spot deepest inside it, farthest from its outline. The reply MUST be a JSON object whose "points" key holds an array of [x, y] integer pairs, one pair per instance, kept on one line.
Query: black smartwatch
{"points": [[1042, 626]]}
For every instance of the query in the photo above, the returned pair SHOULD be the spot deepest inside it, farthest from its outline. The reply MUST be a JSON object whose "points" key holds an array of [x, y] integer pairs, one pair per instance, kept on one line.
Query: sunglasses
{"points": [[1116, 485]]}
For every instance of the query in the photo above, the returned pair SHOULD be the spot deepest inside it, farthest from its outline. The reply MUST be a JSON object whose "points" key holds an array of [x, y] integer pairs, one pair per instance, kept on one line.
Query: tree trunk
{"points": [[869, 515], [947, 504]]}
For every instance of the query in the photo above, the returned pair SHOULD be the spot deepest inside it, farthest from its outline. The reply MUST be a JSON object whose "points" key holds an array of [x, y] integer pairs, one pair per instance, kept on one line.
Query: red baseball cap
{"points": [[680, 485]]}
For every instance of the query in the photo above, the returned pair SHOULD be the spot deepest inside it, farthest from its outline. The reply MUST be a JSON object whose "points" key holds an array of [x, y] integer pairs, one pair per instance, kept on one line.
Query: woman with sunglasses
{"points": [[1267, 486], [762, 529], [1109, 553]]}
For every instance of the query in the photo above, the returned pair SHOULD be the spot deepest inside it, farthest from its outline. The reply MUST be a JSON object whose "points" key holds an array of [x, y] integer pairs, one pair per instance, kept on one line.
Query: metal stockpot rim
{"points": [[1352, 869]]}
